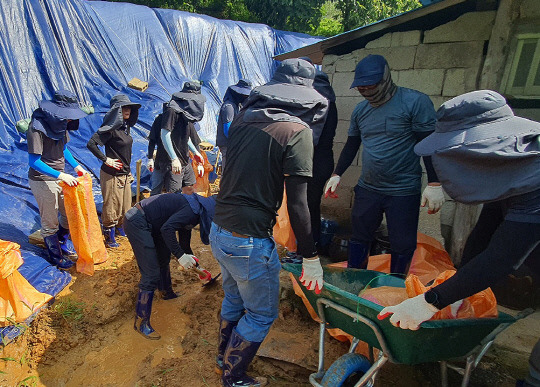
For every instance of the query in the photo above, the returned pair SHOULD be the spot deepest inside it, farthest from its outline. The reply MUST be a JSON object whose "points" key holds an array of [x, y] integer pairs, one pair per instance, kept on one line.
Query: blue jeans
{"points": [[250, 271]]}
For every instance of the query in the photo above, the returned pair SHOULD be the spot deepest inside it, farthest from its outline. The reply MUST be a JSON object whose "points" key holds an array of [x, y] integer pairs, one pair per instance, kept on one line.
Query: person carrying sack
{"points": [[47, 139], [115, 173]]}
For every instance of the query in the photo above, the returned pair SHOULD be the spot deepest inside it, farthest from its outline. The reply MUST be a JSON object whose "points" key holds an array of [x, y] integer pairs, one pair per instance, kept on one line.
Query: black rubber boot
{"points": [[225, 331], [358, 255], [110, 241], [143, 310], [165, 283], [399, 265], [55, 253], [238, 356], [66, 245]]}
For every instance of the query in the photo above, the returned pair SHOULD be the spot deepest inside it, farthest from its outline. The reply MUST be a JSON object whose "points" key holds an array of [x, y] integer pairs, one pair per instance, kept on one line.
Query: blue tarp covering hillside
{"points": [[95, 48]]}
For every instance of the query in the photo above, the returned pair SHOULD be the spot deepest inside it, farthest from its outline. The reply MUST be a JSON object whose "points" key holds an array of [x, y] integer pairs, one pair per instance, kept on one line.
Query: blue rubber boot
{"points": [[68, 250], [399, 265], [110, 241], [238, 356], [120, 231], [225, 332], [143, 310], [358, 255], [55, 253]]}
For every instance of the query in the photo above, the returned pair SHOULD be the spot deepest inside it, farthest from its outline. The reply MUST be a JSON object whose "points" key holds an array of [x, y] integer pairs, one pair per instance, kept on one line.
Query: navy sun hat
{"points": [[369, 71], [63, 105], [243, 87]]}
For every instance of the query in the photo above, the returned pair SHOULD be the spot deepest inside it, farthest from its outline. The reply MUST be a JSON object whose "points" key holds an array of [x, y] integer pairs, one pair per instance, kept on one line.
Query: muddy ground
{"points": [[86, 337]]}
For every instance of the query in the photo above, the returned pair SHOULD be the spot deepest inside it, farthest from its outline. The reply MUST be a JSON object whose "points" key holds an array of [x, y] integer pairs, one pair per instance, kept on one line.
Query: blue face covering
{"points": [[52, 126]]}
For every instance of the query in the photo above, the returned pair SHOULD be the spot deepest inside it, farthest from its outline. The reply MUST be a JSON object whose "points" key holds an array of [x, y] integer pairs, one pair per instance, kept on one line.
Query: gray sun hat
{"points": [[121, 100], [476, 116], [63, 105], [481, 151]]}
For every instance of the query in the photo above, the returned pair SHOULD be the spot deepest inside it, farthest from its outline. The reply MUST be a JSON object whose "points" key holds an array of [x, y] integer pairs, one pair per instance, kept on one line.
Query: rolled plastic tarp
{"points": [[18, 299], [84, 224]]}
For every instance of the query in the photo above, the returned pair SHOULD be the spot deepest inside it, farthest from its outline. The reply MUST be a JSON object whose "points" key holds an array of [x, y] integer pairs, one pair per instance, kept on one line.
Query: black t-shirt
{"points": [[181, 130], [51, 152], [259, 155], [117, 143]]}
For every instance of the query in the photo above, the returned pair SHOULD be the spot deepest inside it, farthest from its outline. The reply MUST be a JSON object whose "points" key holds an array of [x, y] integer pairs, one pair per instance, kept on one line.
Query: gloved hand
{"points": [[68, 179], [200, 170], [176, 166], [187, 261], [114, 163], [312, 274], [410, 313], [150, 165], [434, 197], [80, 170], [198, 158], [331, 186]]}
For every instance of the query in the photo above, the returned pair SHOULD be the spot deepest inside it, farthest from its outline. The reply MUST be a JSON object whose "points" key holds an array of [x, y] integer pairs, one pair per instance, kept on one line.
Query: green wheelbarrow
{"points": [[338, 306]]}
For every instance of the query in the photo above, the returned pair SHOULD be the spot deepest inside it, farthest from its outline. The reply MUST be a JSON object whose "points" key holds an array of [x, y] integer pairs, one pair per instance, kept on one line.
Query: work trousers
{"points": [[163, 180], [250, 271], [116, 191], [50, 201], [149, 249], [401, 217]]}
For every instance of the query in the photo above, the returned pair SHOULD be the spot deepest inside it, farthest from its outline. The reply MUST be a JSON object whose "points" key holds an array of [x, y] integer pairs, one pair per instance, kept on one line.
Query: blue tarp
{"points": [[95, 48]]}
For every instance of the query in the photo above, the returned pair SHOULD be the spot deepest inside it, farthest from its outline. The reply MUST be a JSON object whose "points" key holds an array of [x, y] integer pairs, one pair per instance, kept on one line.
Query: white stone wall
{"points": [[443, 63]]}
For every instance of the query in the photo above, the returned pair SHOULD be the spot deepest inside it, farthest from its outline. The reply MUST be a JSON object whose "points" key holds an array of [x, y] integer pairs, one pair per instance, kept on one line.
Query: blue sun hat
{"points": [[64, 105]]}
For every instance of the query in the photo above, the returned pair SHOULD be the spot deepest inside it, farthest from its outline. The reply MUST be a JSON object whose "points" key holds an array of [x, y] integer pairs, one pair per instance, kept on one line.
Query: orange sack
{"points": [[18, 299], [84, 224], [202, 185], [479, 305], [283, 232]]}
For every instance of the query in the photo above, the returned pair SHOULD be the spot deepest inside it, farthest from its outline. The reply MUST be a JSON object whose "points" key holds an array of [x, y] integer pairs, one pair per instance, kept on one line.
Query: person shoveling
{"points": [[151, 228]]}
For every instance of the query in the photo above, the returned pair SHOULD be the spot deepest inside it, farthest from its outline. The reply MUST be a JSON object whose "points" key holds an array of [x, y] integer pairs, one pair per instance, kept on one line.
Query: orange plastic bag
{"points": [[84, 224], [429, 260], [202, 185], [18, 299], [479, 305], [283, 232]]}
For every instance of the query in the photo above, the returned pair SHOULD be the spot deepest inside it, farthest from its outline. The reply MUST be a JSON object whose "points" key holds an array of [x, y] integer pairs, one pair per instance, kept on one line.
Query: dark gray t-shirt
{"points": [[259, 155], [51, 151], [389, 164]]}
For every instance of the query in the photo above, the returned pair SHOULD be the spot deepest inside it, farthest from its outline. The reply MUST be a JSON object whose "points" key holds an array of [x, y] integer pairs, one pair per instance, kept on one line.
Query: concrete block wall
{"points": [[442, 63]]}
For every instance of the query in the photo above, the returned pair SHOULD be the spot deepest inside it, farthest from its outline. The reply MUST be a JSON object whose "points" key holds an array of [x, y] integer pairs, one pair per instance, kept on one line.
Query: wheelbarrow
{"points": [[338, 306]]}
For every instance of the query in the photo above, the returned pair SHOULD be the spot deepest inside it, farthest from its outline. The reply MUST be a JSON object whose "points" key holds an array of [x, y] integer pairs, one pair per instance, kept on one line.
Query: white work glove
{"points": [[176, 166], [410, 313], [80, 170], [150, 165], [312, 274], [68, 179], [187, 261], [433, 196], [114, 163], [200, 170], [331, 186]]}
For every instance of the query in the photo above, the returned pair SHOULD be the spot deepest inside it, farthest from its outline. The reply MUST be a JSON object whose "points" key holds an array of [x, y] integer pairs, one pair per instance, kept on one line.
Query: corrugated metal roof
{"points": [[438, 12]]}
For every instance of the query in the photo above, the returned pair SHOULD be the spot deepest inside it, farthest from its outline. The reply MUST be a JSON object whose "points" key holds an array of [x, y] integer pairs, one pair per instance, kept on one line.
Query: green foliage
{"points": [[317, 17], [331, 21], [357, 13], [71, 310]]}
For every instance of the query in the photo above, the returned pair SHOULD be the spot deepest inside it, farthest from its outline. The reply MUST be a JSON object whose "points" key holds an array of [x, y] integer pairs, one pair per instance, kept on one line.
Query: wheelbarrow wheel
{"points": [[346, 371]]}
